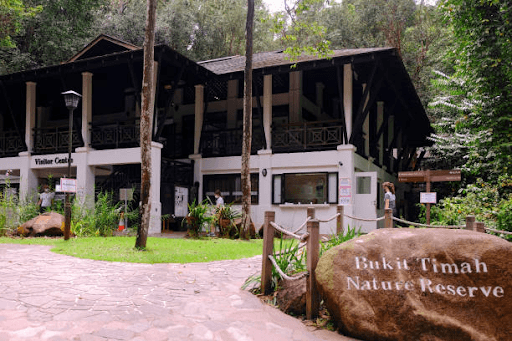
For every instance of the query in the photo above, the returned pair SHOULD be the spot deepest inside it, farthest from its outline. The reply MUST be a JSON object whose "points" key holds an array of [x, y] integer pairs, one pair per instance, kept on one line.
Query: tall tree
{"points": [[247, 124], [147, 107]]}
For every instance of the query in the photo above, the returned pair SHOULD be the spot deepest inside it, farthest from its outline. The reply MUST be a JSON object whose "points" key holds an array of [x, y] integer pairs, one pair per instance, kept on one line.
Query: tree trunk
{"points": [[147, 107], [247, 125]]}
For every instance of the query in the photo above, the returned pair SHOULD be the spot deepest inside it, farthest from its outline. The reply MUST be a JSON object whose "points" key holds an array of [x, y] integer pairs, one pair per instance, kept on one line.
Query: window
{"points": [[305, 188], [230, 186]]}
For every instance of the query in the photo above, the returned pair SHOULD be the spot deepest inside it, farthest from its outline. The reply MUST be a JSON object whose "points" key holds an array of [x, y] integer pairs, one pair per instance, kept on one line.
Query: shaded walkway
{"points": [[46, 296]]}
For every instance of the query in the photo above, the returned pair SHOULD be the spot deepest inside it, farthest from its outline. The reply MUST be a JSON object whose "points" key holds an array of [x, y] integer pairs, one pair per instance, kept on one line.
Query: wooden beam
{"points": [[360, 118], [174, 85], [342, 109], [260, 111], [156, 118], [385, 120], [205, 110], [420, 158]]}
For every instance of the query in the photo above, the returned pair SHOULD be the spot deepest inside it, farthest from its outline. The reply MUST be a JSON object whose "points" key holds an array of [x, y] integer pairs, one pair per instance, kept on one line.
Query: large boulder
{"points": [[46, 224], [291, 296], [420, 284]]}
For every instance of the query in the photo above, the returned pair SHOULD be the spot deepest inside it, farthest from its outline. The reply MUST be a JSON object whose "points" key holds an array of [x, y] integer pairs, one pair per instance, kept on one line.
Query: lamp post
{"points": [[71, 98]]}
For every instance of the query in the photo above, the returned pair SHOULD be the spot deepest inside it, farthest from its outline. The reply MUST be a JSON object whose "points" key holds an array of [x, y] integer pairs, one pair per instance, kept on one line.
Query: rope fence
{"points": [[425, 225], [282, 274]]}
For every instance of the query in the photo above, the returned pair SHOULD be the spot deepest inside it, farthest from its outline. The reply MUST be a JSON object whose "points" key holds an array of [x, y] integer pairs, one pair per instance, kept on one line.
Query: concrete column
{"points": [[346, 168], [199, 107], [85, 178], [295, 96], [86, 107], [265, 183], [30, 114], [232, 103], [28, 179], [155, 223], [267, 109], [348, 97]]}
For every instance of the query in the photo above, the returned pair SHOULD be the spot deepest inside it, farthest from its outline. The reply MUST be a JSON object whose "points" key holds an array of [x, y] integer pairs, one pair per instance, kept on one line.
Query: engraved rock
{"points": [[420, 284]]}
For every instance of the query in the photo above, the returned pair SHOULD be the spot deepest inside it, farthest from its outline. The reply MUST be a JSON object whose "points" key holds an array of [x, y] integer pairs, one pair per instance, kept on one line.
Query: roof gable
{"points": [[101, 46]]}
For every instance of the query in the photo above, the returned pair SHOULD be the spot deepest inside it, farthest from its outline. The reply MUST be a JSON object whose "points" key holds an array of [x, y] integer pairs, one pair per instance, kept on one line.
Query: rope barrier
{"points": [[425, 225], [362, 219], [288, 233], [301, 226], [282, 274], [328, 220], [497, 231]]}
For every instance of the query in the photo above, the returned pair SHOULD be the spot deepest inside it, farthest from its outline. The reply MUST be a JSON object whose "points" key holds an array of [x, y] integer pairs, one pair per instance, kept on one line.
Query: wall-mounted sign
{"points": [[428, 197], [68, 185], [48, 161], [345, 192]]}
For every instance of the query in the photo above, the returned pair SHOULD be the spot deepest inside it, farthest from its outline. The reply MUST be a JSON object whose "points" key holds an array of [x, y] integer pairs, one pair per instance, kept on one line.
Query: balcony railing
{"points": [[55, 140], [308, 136], [228, 142], [10, 144], [118, 135]]}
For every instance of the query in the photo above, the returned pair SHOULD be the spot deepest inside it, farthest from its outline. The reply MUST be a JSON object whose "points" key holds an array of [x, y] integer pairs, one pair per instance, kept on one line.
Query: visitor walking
{"points": [[45, 200], [389, 197]]}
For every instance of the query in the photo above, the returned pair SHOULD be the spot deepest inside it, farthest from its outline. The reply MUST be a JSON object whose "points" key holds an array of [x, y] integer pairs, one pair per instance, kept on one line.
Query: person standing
{"points": [[219, 200], [389, 197], [45, 199]]}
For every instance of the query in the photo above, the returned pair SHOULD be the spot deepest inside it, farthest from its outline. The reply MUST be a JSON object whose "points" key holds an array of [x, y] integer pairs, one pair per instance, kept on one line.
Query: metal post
{"points": [[268, 249], [67, 205], [470, 222], [339, 219], [388, 218], [312, 295]]}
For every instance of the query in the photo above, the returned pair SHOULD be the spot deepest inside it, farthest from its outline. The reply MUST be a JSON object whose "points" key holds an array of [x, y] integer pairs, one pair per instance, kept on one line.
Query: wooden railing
{"points": [[307, 136], [117, 135], [10, 144], [55, 140], [228, 142]]}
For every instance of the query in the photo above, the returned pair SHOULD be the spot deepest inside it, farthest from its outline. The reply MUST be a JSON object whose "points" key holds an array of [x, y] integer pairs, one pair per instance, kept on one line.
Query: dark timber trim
{"points": [[341, 101], [9, 109]]}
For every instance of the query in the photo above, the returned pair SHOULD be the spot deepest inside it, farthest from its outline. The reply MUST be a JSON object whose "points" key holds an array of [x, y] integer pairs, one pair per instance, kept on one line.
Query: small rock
{"points": [[291, 297], [46, 224]]}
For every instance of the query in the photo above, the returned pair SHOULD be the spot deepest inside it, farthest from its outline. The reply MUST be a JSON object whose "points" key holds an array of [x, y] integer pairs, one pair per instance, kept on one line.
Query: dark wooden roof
{"points": [[101, 46], [227, 65]]}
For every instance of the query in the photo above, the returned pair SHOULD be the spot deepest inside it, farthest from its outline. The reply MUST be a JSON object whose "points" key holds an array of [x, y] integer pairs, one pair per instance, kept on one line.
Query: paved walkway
{"points": [[46, 296]]}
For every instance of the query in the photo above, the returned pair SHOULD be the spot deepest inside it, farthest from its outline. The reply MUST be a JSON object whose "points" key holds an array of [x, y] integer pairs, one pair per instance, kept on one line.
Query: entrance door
{"points": [[365, 200]]}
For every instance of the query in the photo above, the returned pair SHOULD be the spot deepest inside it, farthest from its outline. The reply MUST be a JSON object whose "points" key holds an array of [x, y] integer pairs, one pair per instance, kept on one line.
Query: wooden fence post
{"points": [[479, 227], [339, 219], [388, 218], [310, 212], [268, 249], [313, 244], [470, 222]]}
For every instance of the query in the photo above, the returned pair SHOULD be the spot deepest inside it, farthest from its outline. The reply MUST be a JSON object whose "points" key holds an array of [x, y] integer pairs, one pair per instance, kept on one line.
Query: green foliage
{"points": [[504, 216], [226, 213], [337, 239], [198, 214]]}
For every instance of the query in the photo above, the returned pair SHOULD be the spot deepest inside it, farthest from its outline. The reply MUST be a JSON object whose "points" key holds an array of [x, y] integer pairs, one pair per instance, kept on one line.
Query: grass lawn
{"points": [[159, 250]]}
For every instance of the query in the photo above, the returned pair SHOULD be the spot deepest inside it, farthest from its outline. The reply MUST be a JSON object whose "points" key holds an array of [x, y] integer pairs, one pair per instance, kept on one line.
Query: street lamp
{"points": [[71, 98]]}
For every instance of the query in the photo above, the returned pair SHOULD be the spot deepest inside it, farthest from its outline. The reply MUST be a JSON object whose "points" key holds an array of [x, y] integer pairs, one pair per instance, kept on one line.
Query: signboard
{"points": [[428, 197], [68, 185], [345, 192], [435, 176], [180, 201], [126, 194]]}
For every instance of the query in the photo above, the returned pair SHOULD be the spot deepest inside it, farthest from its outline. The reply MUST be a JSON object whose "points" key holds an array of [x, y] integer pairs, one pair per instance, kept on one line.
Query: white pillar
{"points": [[348, 97], [85, 178], [295, 95], [30, 114], [232, 103], [267, 109], [198, 177], [265, 183], [155, 223], [346, 171], [199, 107], [28, 179], [86, 107]]}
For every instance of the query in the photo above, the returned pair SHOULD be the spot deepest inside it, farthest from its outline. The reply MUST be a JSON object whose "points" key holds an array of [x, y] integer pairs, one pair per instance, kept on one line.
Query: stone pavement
{"points": [[46, 296]]}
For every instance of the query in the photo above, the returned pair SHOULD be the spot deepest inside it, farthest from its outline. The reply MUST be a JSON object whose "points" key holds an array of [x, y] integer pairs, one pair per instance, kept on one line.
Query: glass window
{"points": [[363, 185], [230, 186], [305, 188]]}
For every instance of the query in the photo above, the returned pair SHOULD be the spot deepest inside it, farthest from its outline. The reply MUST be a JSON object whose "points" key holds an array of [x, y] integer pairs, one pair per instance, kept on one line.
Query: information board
{"points": [[68, 185]]}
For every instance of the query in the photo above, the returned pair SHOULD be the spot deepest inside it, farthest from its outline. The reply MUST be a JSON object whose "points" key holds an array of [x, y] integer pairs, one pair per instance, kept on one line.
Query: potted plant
{"points": [[225, 218], [196, 217]]}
